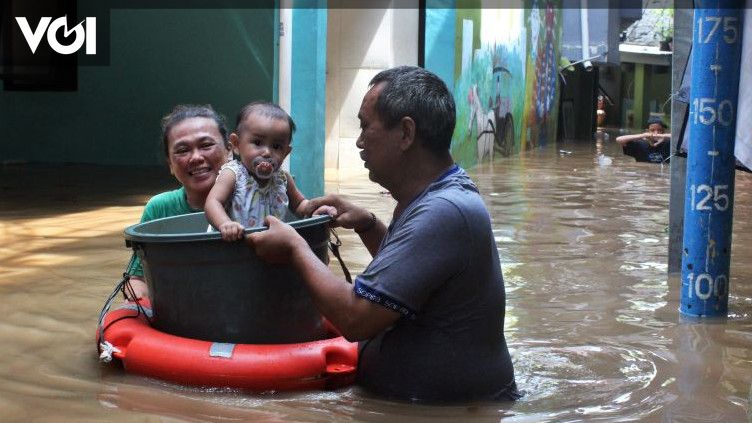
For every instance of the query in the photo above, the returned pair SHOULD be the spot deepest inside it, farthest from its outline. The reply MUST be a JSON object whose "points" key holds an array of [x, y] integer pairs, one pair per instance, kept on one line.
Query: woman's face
{"points": [[195, 153]]}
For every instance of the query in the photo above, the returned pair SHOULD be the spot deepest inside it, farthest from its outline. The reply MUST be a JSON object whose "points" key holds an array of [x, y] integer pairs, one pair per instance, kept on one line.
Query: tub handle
{"points": [[334, 246]]}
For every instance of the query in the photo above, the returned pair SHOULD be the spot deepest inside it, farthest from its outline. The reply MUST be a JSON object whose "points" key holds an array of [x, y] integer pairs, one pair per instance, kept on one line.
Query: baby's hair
{"points": [[267, 110], [182, 112]]}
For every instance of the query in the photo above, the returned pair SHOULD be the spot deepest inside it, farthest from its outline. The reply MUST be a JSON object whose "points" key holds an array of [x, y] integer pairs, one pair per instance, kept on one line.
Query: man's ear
{"points": [[407, 129]]}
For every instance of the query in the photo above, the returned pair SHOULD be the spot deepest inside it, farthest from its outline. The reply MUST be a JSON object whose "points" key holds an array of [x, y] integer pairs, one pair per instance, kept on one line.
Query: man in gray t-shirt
{"points": [[439, 268], [429, 308]]}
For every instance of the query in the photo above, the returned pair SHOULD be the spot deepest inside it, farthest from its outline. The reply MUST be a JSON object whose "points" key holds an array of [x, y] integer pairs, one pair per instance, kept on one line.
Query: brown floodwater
{"points": [[592, 319]]}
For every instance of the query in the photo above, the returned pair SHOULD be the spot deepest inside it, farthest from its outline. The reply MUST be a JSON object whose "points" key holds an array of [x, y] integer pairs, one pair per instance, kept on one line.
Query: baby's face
{"points": [[262, 144]]}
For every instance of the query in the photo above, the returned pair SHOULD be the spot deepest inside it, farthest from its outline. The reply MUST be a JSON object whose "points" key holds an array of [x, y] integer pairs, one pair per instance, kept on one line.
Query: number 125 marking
{"points": [[716, 193]]}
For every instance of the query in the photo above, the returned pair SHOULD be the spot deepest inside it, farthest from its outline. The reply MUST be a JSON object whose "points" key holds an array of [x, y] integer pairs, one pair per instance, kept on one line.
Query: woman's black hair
{"points": [[182, 112]]}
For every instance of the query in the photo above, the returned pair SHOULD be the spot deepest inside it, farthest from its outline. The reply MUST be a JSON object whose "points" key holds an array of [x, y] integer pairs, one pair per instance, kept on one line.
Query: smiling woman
{"points": [[196, 145]]}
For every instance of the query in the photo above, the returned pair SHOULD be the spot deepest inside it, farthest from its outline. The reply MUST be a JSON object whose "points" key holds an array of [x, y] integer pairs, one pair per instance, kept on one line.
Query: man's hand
{"points": [[346, 214], [276, 244], [657, 141]]}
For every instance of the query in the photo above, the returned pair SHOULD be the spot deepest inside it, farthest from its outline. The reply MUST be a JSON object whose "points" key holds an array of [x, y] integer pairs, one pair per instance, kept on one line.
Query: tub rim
{"points": [[132, 235]]}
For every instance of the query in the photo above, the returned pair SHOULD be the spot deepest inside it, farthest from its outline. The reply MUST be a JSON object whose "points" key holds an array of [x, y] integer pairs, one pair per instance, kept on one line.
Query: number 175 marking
{"points": [[710, 25]]}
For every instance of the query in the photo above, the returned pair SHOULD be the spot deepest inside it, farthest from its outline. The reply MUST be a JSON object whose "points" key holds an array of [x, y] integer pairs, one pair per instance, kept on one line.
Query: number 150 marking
{"points": [[707, 113]]}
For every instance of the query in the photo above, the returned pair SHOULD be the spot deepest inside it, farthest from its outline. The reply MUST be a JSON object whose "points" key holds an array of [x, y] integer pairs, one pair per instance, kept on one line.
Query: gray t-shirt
{"points": [[438, 266]]}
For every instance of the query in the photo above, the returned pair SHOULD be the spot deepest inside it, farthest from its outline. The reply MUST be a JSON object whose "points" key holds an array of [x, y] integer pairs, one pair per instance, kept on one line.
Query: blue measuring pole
{"points": [[709, 205]]}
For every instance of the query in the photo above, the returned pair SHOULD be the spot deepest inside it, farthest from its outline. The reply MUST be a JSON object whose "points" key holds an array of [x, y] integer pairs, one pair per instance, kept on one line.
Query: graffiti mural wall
{"points": [[503, 75], [541, 88]]}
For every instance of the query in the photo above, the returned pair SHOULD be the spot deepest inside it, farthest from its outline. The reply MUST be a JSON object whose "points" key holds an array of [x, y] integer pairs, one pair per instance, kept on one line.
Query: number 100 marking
{"points": [[710, 287]]}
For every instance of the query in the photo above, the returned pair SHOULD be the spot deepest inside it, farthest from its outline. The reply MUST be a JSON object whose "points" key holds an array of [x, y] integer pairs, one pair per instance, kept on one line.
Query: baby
{"points": [[249, 189]]}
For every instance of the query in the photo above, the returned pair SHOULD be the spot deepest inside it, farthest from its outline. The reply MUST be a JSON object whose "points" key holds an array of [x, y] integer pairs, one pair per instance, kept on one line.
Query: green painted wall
{"points": [[638, 107], [159, 58], [657, 92], [644, 92]]}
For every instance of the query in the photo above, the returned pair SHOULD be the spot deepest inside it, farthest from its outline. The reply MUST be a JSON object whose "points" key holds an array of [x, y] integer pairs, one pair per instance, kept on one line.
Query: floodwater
{"points": [[592, 319]]}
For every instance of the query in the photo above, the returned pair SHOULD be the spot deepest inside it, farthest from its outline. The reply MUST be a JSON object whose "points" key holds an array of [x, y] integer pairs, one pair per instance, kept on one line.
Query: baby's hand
{"points": [[231, 231], [330, 210]]}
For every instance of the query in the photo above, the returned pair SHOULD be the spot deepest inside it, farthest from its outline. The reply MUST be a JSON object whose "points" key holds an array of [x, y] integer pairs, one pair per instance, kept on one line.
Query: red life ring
{"points": [[324, 364]]}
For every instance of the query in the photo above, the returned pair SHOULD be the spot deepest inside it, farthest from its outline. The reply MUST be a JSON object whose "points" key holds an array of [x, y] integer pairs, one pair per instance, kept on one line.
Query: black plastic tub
{"points": [[202, 287]]}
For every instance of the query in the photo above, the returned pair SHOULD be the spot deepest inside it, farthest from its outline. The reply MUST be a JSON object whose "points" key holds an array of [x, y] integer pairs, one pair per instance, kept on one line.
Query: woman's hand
{"points": [[136, 289]]}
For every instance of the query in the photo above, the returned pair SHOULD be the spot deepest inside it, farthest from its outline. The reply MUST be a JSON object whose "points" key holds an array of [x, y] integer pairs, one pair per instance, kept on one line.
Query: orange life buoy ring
{"points": [[323, 364]]}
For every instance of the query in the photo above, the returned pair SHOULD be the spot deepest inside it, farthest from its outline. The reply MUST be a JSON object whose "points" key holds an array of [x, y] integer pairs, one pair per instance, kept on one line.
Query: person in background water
{"points": [[196, 146], [253, 187], [429, 308], [600, 112], [654, 145]]}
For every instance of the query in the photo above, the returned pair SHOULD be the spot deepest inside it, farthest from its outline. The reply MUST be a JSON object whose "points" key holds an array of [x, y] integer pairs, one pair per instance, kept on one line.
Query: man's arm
{"points": [[624, 139], [355, 317]]}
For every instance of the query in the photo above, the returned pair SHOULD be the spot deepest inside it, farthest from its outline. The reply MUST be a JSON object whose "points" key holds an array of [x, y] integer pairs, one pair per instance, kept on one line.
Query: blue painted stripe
{"points": [[441, 16], [308, 95]]}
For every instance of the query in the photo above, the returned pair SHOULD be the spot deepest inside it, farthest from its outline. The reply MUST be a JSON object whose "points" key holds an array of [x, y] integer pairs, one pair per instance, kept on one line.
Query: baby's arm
{"points": [[214, 207], [298, 202]]}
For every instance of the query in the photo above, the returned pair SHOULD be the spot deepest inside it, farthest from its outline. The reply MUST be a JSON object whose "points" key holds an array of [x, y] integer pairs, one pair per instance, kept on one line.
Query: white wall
{"points": [[361, 43]]}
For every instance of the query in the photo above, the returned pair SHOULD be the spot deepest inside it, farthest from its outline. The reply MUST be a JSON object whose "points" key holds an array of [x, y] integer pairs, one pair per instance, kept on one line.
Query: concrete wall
{"points": [[159, 58], [360, 43]]}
